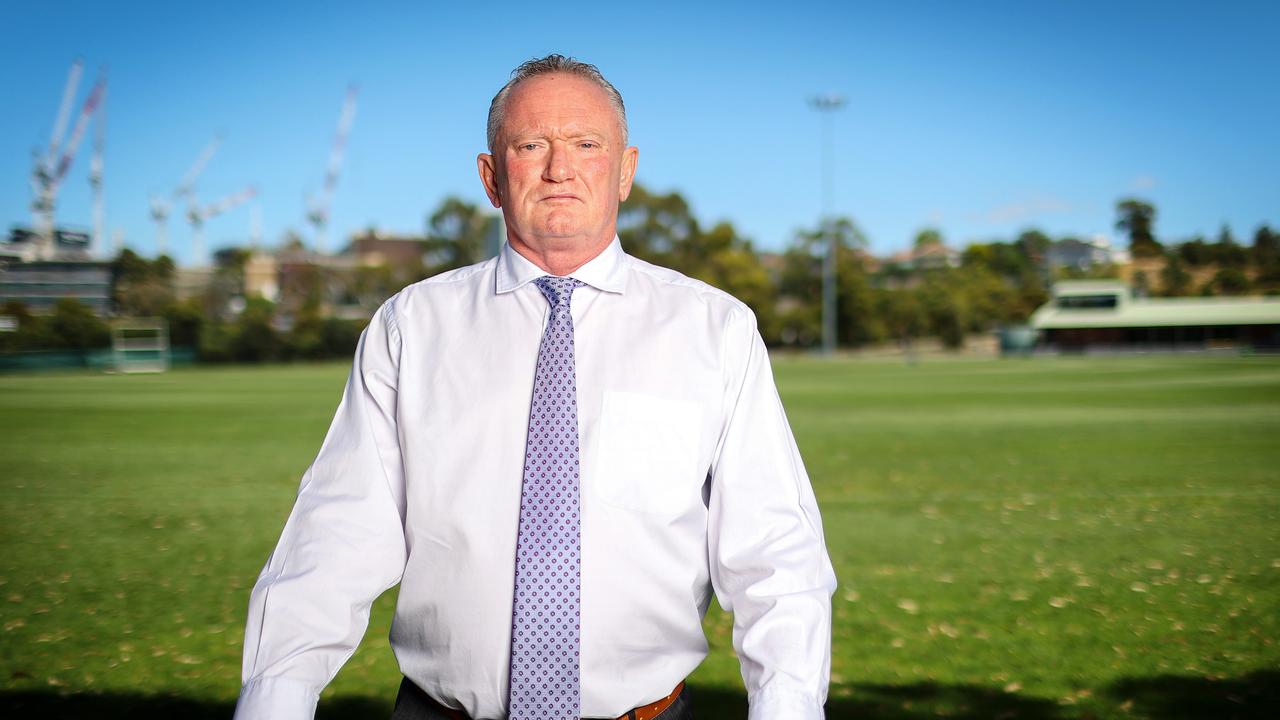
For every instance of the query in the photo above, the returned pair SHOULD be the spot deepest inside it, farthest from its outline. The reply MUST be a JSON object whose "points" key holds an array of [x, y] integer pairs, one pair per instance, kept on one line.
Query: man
{"points": [[559, 454]]}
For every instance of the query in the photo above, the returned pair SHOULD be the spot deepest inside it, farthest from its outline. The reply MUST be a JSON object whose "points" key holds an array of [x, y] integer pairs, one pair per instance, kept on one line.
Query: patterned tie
{"points": [[545, 616]]}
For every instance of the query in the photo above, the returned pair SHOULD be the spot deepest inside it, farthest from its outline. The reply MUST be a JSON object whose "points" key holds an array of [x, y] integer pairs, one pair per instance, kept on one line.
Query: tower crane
{"points": [[43, 166], [197, 216], [49, 170], [318, 208], [98, 245], [64, 111], [185, 190]]}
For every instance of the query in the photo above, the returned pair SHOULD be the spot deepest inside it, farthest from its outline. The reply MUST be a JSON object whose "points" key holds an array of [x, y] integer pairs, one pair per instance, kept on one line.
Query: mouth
{"points": [[560, 197]]}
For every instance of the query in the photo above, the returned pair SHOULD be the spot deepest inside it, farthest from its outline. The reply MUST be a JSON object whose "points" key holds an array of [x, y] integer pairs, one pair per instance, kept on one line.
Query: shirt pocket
{"points": [[648, 452]]}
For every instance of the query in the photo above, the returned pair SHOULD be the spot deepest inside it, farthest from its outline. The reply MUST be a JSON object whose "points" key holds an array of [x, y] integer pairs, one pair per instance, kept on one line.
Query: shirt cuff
{"points": [[277, 699], [779, 703]]}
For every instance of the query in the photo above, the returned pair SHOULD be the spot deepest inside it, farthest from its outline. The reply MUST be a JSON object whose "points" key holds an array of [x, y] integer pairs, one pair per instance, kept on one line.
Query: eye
{"points": [[528, 146], [587, 144]]}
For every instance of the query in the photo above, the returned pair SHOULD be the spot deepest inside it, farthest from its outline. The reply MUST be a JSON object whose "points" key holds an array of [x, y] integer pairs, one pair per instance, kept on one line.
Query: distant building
{"points": [[40, 285], [1080, 254], [70, 274], [928, 256], [189, 282], [1091, 316], [68, 244], [378, 248], [261, 276]]}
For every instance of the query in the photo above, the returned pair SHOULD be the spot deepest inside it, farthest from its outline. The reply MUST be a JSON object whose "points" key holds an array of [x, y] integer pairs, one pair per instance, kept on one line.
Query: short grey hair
{"points": [[553, 63]]}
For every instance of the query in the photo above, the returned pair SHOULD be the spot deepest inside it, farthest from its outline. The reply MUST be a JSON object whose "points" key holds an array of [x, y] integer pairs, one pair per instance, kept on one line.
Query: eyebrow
{"points": [[524, 136]]}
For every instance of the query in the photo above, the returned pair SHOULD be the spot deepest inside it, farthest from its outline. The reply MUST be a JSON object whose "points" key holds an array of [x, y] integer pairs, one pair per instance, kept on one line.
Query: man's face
{"points": [[559, 167]]}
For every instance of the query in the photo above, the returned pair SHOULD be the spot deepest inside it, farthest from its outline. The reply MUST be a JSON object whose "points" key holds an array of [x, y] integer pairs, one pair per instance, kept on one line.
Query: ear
{"points": [[629, 158], [488, 167]]}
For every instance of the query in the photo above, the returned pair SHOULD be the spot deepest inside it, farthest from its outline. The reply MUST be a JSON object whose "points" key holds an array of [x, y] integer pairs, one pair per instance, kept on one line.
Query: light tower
{"points": [[826, 105]]}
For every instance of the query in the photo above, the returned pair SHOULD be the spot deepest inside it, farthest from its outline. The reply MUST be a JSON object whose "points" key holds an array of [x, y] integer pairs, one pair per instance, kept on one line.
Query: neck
{"points": [[555, 259]]}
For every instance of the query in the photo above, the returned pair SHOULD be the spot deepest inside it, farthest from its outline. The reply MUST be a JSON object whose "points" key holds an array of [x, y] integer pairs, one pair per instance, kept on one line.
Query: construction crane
{"points": [[318, 208], [64, 111], [185, 190], [42, 164], [98, 245], [197, 216], [49, 170]]}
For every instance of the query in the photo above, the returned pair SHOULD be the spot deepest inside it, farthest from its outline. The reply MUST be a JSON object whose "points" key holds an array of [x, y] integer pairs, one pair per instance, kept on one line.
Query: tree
{"points": [[903, 315], [1195, 252], [1137, 219], [1265, 252], [215, 341], [1227, 252], [723, 258], [661, 229], [32, 334], [456, 234], [800, 283], [140, 287], [1175, 281], [1141, 283], [857, 322], [185, 320], [653, 227], [1227, 281], [371, 284], [232, 260], [254, 339], [991, 299], [304, 288], [946, 312], [75, 327], [306, 339], [928, 237], [1008, 260], [1034, 246], [1004, 279]]}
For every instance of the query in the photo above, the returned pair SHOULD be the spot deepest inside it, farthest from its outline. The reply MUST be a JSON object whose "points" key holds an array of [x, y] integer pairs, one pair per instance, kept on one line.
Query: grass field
{"points": [[1067, 538]]}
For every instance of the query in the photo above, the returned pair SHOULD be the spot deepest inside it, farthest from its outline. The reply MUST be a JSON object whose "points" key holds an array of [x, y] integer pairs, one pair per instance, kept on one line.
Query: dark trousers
{"points": [[414, 704]]}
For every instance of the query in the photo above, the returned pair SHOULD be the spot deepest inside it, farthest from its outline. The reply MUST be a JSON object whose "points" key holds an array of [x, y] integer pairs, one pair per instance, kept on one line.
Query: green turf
{"points": [[1030, 538]]}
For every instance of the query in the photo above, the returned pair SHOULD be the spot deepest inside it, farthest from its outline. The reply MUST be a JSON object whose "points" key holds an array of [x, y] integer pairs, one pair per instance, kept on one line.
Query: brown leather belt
{"points": [[653, 709], [644, 712]]}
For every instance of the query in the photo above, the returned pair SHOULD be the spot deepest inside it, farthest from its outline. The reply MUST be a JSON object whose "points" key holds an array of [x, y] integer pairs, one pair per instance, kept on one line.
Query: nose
{"points": [[559, 165]]}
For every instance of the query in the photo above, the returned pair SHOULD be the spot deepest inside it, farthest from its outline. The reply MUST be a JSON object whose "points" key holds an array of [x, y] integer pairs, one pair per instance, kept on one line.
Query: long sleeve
{"points": [[342, 545], [769, 563]]}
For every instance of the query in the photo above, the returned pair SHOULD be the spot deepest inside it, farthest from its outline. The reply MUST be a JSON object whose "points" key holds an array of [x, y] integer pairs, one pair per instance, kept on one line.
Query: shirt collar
{"points": [[606, 271]]}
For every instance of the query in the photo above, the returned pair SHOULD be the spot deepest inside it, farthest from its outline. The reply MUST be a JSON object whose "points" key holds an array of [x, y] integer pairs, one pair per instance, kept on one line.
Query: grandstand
{"points": [[1105, 316]]}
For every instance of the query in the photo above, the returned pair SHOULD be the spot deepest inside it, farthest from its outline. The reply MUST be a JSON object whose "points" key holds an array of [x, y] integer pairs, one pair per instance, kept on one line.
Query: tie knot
{"points": [[558, 290]]}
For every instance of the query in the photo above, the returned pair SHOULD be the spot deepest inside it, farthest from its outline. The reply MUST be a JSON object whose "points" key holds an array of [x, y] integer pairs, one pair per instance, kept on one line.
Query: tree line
{"points": [[931, 292], [1196, 266]]}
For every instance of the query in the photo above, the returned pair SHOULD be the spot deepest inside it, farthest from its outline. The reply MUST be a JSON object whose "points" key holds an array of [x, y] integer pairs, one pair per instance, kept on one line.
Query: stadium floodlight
{"points": [[826, 105]]}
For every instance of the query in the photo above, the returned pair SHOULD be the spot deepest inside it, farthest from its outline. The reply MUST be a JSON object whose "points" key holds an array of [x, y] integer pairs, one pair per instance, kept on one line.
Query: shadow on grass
{"points": [[1251, 697], [118, 706], [1254, 696], [896, 702]]}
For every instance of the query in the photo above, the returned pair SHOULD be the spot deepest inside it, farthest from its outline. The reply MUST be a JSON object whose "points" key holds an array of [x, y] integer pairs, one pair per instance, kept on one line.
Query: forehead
{"points": [[559, 101]]}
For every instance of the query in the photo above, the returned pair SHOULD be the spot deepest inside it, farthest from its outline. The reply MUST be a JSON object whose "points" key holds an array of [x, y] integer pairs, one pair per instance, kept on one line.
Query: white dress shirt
{"points": [[691, 482]]}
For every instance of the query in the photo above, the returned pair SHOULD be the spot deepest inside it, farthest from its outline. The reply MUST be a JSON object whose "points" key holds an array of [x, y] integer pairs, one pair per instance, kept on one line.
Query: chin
{"points": [[564, 230]]}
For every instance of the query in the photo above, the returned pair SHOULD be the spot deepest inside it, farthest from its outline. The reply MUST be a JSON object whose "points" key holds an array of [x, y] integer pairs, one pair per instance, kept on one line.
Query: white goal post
{"points": [[140, 345]]}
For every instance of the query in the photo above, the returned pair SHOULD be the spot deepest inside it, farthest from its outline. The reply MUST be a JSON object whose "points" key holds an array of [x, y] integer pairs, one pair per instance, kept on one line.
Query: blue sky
{"points": [[978, 118]]}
